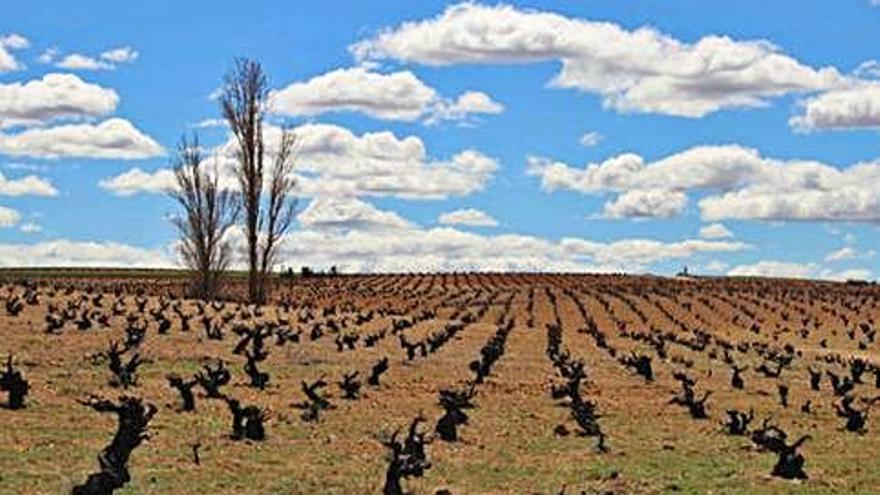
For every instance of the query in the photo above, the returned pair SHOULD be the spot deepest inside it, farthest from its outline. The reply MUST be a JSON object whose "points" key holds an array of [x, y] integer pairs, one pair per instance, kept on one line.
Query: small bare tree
{"points": [[243, 101], [209, 211]]}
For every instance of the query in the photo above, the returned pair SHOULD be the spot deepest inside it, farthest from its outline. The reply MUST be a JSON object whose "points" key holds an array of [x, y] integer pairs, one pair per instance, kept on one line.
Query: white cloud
{"points": [[590, 139], [78, 61], [768, 268], [354, 236], [107, 60], [48, 55], [438, 249], [31, 228], [120, 55], [716, 266], [650, 203], [476, 102], [741, 183], [782, 269], [854, 107], [844, 253], [640, 70], [641, 252], [449, 249], [848, 253], [30, 185], [349, 213], [135, 181], [369, 165], [210, 124], [409, 249], [70, 253], [468, 216], [868, 70], [333, 161], [719, 167], [113, 138], [850, 202], [715, 231], [55, 96], [15, 42], [8, 44], [466, 105], [853, 274], [395, 96], [8, 217]]}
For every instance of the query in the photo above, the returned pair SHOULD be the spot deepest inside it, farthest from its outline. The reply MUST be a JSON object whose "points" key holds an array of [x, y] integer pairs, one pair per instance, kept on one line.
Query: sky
{"points": [[731, 137]]}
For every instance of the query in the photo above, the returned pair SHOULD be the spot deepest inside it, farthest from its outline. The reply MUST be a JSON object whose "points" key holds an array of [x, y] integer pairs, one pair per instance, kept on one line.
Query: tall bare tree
{"points": [[209, 211], [243, 101]]}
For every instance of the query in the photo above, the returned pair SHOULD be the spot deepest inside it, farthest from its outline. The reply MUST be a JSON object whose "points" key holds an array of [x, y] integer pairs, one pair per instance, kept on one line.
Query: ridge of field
{"points": [[514, 441]]}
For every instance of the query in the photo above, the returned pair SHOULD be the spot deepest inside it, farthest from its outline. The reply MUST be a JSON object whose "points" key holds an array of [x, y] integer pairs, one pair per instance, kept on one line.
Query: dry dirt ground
{"points": [[511, 443]]}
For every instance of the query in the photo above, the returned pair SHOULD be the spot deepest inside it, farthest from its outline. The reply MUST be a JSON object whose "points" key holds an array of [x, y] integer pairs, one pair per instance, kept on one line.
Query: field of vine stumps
{"points": [[439, 384]]}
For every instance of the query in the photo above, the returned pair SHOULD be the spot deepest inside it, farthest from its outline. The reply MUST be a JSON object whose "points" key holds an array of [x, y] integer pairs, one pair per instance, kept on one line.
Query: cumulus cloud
{"points": [[783, 269], [394, 96], [780, 269], [354, 249], [8, 217], [107, 60], [868, 70], [333, 161], [54, 96], [120, 55], [850, 202], [48, 55], [8, 44], [641, 70], [463, 108], [468, 216], [450, 249], [409, 249], [437, 249], [719, 167], [650, 203], [30, 185], [136, 181], [349, 213], [356, 236], [854, 107], [715, 231], [113, 138], [78, 61], [642, 252], [741, 184], [70, 253]]}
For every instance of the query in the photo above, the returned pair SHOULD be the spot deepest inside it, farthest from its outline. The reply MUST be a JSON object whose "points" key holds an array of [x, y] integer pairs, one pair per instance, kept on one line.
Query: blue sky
{"points": [[714, 108]]}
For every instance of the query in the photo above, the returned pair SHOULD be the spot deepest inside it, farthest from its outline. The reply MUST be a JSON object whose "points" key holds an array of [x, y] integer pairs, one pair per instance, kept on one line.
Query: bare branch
{"points": [[209, 212], [243, 104]]}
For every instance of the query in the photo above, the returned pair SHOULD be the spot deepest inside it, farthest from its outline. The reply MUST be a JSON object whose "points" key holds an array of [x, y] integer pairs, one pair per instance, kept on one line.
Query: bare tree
{"points": [[209, 211], [243, 101]]}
